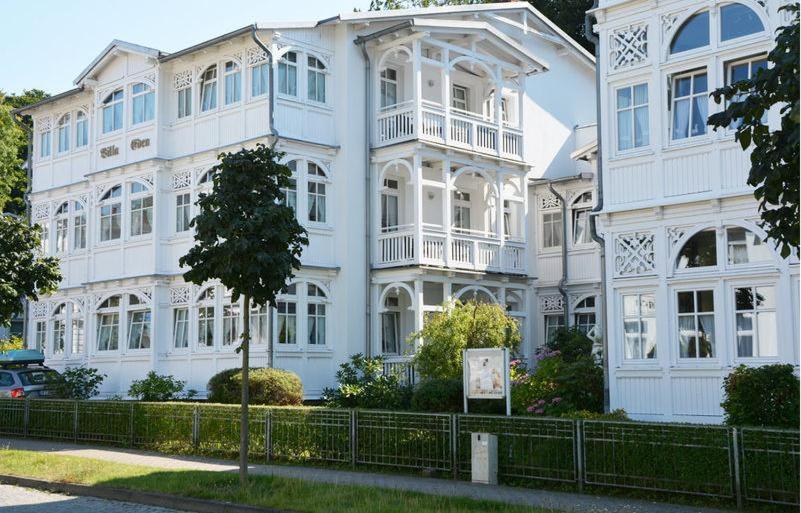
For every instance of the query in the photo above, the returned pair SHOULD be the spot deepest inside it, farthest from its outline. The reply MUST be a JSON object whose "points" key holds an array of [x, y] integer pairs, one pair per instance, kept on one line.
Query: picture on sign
{"points": [[486, 369]]}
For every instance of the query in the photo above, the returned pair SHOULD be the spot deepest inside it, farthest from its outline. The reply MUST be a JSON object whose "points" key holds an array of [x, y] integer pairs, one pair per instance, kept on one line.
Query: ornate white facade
{"points": [[419, 141], [692, 290]]}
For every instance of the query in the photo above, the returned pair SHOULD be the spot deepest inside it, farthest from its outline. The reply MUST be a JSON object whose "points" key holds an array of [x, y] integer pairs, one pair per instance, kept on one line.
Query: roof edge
{"points": [[49, 99]]}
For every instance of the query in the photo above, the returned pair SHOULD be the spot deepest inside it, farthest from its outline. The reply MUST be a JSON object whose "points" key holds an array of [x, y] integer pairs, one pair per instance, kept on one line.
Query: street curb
{"points": [[162, 500]]}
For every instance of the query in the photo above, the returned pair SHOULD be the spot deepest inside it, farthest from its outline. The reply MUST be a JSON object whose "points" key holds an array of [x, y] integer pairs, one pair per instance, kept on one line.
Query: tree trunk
{"points": [[243, 425]]}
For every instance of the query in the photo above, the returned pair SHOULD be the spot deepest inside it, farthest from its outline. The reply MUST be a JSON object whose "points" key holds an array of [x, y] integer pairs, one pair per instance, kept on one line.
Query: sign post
{"points": [[486, 375]]}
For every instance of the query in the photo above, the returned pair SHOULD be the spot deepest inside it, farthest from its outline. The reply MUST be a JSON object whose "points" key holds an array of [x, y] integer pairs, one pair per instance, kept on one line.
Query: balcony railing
{"points": [[473, 252], [468, 130]]}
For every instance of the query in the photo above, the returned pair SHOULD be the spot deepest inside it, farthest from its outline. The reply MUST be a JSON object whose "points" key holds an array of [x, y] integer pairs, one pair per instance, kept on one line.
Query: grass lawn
{"points": [[266, 491]]}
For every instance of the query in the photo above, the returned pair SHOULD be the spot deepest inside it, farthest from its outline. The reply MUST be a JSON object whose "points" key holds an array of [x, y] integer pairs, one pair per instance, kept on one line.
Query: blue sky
{"points": [[49, 42]]}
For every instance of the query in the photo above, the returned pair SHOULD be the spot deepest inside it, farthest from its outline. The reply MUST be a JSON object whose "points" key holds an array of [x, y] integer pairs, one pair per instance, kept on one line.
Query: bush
{"points": [[762, 396], [266, 386], [156, 388], [11, 343], [438, 395], [460, 326], [362, 384], [80, 383]]}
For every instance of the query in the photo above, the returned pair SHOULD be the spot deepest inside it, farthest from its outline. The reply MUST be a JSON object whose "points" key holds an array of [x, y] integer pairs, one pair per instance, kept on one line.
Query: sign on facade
{"points": [[486, 375]]}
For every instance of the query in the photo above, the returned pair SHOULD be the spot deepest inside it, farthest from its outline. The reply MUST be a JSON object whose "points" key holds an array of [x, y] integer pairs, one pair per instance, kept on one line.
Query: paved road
{"points": [[14, 499]]}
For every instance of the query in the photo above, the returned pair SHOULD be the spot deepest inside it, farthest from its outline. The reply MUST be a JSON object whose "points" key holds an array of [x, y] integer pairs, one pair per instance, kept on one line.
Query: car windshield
{"points": [[39, 377]]}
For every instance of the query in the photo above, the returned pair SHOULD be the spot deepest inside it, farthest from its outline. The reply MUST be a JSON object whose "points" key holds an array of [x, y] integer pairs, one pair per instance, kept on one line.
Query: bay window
{"points": [[138, 323], [182, 211], [78, 226], [639, 326], [143, 103], [286, 316], [291, 191], [141, 209], [316, 318], [259, 324], [316, 198], [64, 133], [259, 80], [288, 74], [111, 214], [45, 144], [208, 89], [755, 318], [205, 319], [551, 229], [632, 117], [230, 320], [233, 83], [81, 129], [696, 323], [112, 111], [108, 324], [180, 328], [316, 79], [62, 228], [689, 105]]}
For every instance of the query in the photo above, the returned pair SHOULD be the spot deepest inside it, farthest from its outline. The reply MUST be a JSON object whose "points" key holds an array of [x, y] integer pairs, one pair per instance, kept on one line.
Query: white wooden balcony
{"points": [[450, 250]]}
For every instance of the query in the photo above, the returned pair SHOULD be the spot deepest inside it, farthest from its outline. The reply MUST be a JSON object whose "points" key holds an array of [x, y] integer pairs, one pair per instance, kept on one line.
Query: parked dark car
{"points": [[23, 374]]}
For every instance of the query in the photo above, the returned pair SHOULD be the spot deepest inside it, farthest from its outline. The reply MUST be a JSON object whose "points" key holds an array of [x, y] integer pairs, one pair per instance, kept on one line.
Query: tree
{"points": [[460, 326], [248, 239], [24, 271], [568, 15], [774, 159]]}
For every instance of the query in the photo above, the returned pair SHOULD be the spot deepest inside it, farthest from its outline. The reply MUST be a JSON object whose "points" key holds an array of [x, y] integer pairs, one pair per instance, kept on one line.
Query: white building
{"points": [[692, 291], [414, 136]]}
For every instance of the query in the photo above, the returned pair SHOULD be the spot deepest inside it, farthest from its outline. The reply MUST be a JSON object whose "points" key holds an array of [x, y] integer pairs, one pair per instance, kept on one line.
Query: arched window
{"points": [[111, 214], [230, 320], [740, 245], [60, 329], [68, 333], [288, 74], [737, 20], [64, 133], [112, 111], [581, 218], [139, 317], [81, 129], [144, 103], [694, 33], [291, 192], [584, 315], [316, 79], [233, 83], [317, 198], [745, 247], [316, 319], [287, 316], [108, 324], [205, 318], [141, 209], [208, 89], [62, 227], [699, 251], [78, 225], [207, 177]]}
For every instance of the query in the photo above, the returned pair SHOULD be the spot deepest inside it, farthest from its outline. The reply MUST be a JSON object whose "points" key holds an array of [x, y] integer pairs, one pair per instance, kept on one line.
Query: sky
{"points": [[45, 44]]}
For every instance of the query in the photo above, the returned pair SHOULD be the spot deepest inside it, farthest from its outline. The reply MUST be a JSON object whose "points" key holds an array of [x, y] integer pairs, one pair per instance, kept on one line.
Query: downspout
{"points": [[599, 206], [27, 198], [274, 133], [368, 346], [563, 281]]}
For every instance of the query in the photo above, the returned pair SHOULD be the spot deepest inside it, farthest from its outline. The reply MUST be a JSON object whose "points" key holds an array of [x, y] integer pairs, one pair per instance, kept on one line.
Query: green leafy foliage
{"points": [[774, 159], [438, 395], [762, 396], [457, 327], [156, 388], [565, 378], [267, 386], [363, 384], [80, 383], [11, 343], [24, 272]]}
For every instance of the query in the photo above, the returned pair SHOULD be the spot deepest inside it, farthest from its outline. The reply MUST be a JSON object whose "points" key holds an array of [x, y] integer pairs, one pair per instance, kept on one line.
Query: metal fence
{"points": [[746, 464]]}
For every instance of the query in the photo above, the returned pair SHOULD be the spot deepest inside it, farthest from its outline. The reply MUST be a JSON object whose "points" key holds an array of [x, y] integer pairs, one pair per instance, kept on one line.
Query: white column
{"points": [[375, 324], [418, 206], [418, 309], [499, 207], [446, 95], [498, 97], [417, 85], [446, 217]]}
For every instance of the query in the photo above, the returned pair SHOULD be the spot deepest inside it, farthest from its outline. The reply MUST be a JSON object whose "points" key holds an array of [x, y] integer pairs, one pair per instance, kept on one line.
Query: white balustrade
{"points": [[396, 123], [396, 248]]}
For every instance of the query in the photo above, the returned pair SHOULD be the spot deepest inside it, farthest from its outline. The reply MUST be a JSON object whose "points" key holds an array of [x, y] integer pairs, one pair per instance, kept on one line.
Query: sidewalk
{"points": [[561, 501]]}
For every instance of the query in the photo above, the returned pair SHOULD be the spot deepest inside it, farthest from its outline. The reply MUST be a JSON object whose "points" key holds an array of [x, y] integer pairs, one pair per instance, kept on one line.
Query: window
{"points": [[182, 212], [259, 327], [60, 329], [632, 117], [461, 210], [45, 144], [205, 318], [288, 74], [389, 87], [185, 102], [77, 332], [551, 229], [230, 318], [108, 322], [639, 326], [690, 104], [144, 103], [40, 337], [316, 315], [745, 247], [287, 322], [696, 316], [78, 226], [755, 310], [112, 112], [390, 332], [141, 210], [6, 379], [744, 70], [208, 89], [62, 228], [206, 178], [584, 315], [316, 188], [64, 133], [291, 191], [259, 80], [737, 20], [316, 79], [81, 130], [111, 214], [389, 205], [581, 219], [694, 33], [138, 328], [553, 322], [459, 97], [180, 328], [44, 239], [233, 83], [699, 251]]}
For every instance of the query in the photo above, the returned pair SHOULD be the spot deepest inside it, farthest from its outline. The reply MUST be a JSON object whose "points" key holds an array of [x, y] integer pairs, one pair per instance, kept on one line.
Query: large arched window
{"points": [[317, 196], [111, 214], [745, 247], [139, 317], [205, 318], [740, 247], [112, 111], [108, 324], [694, 33], [316, 315], [584, 315], [581, 218], [316, 79], [62, 227], [737, 20], [141, 201], [208, 89], [699, 251]]}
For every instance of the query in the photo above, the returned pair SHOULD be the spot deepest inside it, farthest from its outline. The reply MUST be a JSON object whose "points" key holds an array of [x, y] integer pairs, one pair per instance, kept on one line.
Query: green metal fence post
{"points": [[454, 441], [75, 423], [268, 434], [735, 446], [579, 455], [195, 427], [131, 440], [353, 444], [26, 416]]}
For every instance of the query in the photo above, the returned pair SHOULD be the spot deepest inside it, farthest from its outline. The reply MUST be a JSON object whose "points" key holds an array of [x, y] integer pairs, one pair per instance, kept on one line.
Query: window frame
{"points": [[548, 327], [552, 225], [183, 211], [81, 129], [317, 69], [638, 317], [695, 314], [110, 200], [461, 204], [140, 100], [287, 68], [186, 322], [232, 81], [209, 88], [384, 85], [64, 136], [632, 111], [463, 101], [45, 144], [205, 307], [145, 324], [115, 106], [316, 182], [754, 331], [674, 99], [112, 311], [259, 74], [143, 195]]}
